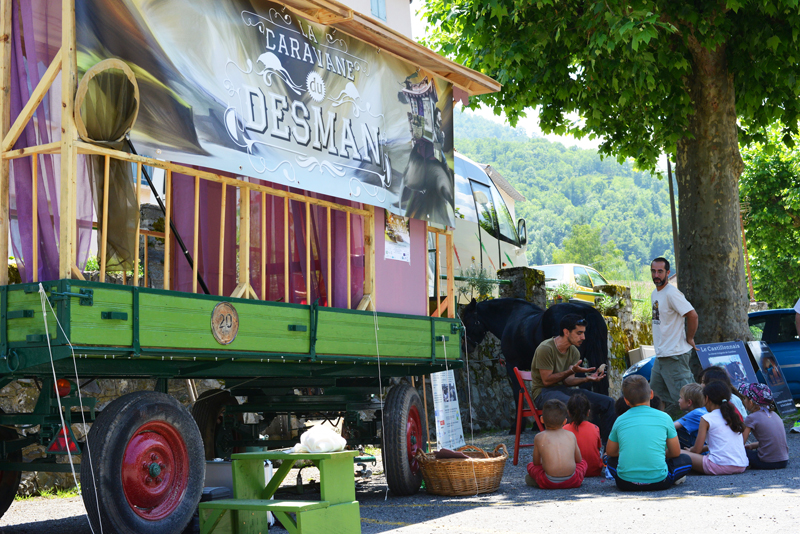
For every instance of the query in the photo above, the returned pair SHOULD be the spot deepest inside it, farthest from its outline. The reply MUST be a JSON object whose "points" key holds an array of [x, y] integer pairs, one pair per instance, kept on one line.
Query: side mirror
{"points": [[522, 232]]}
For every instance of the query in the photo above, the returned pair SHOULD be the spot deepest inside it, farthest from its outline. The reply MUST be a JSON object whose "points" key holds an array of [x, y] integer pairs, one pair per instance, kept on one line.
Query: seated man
{"points": [[635, 449], [555, 363], [557, 462]]}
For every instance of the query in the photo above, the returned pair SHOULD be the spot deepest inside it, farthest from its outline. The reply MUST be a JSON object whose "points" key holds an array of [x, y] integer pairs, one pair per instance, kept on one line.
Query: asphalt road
{"points": [[755, 501]]}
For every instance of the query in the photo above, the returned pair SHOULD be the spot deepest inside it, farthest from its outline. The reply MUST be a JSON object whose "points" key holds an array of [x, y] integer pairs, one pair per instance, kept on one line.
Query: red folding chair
{"points": [[526, 410]]}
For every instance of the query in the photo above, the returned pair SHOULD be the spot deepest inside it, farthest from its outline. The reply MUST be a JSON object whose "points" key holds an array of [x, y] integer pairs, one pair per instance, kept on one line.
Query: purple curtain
{"points": [[34, 48]]}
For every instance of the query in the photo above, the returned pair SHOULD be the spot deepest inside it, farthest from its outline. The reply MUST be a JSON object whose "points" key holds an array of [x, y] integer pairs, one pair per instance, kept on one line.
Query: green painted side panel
{"points": [[87, 328], [19, 329], [173, 321]]}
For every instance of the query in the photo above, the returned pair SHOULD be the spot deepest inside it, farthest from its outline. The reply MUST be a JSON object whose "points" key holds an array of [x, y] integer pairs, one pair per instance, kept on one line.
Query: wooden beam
{"points": [[35, 215], [49, 148], [263, 246], [195, 245], [69, 155], [136, 186], [286, 249], [308, 253], [369, 256], [167, 237], [33, 103], [222, 239], [104, 230], [451, 287], [5, 121]]}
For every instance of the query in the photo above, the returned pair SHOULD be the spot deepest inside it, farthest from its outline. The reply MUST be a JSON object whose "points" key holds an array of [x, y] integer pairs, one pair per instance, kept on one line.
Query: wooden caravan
{"points": [[279, 164]]}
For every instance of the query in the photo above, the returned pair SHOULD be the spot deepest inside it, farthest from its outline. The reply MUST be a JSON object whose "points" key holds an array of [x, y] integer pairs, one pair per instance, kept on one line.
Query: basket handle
{"points": [[472, 448], [503, 447]]}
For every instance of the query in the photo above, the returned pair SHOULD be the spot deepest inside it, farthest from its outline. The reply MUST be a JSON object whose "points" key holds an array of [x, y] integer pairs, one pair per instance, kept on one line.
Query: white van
{"points": [[485, 232]]}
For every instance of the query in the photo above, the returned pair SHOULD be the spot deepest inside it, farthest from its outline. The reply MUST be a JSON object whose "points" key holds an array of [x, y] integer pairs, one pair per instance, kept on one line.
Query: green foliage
{"points": [[770, 184], [565, 187], [478, 283], [624, 66]]}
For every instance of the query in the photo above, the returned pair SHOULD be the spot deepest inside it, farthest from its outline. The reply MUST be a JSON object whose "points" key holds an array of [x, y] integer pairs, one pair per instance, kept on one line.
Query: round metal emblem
{"points": [[224, 323]]}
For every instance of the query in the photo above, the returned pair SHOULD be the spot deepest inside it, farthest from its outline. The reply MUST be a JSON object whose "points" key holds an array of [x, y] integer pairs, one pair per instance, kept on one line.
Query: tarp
{"points": [[252, 89]]}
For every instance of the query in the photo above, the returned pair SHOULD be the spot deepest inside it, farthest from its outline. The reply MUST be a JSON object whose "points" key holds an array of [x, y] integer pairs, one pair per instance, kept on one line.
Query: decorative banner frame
{"points": [[251, 88]]}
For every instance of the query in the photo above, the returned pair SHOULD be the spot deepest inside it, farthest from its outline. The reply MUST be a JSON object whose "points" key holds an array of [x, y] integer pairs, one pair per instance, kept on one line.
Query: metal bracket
{"points": [[86, 296]]}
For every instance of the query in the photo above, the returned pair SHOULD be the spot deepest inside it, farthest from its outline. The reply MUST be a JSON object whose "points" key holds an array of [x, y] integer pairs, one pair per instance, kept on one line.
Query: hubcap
{"points": [[155, 470], [413, 437]]}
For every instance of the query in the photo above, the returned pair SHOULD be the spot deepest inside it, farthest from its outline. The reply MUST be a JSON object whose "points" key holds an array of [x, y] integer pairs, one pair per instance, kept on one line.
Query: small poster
{"points": [[398, 238], [773, 375], [731, 356], [449, 432]]}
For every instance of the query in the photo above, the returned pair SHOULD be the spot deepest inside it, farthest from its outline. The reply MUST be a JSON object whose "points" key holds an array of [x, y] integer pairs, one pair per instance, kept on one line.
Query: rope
{"points": [[43, 298]]}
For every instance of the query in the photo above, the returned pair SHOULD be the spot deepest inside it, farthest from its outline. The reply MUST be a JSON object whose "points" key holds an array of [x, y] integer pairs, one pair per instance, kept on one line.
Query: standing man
{"points": [[673, 343], [555, 364]]}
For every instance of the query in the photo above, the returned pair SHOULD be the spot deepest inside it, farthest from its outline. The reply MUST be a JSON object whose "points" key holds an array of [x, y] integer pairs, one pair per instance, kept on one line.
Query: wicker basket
{"points": [[481, 473]]}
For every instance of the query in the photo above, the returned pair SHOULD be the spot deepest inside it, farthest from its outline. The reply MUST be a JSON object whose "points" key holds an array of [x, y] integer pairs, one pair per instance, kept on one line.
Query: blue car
{"points": [[775, 327]]}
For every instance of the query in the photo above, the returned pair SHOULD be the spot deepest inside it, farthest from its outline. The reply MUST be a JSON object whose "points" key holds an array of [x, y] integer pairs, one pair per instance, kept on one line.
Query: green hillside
{"points": [[571, 186]]}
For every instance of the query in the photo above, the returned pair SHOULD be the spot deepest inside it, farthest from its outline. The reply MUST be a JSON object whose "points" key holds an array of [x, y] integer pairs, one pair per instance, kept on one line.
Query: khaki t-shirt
{"points": [[549, 358]]}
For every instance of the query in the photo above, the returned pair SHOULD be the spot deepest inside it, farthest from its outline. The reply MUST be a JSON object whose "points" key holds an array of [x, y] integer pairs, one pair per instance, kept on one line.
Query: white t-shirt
{"points": [[669, 334], [797, 306], [725, 447]]}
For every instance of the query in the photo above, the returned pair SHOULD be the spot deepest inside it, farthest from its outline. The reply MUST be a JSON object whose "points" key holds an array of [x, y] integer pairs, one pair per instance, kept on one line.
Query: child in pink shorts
{"points": [[722, 428]]}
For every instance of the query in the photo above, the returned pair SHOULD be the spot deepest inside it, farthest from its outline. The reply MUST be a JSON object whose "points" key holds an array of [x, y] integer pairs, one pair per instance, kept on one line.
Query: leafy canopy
{"points": [[623, 65], [770, 185]]}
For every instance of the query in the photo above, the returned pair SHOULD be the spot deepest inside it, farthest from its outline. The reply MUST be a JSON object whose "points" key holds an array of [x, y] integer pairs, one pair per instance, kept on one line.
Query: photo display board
{"points": [[252, 89]]}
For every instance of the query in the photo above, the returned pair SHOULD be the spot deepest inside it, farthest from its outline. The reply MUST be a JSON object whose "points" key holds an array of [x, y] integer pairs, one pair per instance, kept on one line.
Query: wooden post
{"points": [[167, 215], [69, 155], [286, 249], [221, 238], [308, 253], [195, 247], [330, 259], [104, 227], [263, 246], [451, 286], [137, 185], [369, 256], [349, 286], [35, 216], [5, 124]]}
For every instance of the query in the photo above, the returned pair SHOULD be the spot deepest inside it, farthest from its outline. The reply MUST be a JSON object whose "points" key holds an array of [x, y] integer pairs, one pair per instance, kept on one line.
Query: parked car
{"points": [[581, 277], [775, 327]]}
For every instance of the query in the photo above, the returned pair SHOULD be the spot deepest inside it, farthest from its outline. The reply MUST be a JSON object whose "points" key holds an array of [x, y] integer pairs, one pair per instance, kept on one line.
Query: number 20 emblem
{"points": [[224, 323]]}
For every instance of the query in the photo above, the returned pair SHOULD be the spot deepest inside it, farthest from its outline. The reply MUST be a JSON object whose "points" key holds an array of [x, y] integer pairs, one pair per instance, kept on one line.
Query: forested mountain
{"points": [[571, 186]]}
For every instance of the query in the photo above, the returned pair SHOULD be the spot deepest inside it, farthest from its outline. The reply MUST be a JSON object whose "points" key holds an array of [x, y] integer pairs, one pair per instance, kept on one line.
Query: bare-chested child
{"points": [[557, 462]]}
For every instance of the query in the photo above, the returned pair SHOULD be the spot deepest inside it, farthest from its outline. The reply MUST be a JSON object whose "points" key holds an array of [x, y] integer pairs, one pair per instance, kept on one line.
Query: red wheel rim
{"points": [[413, 438], [155, 470]]}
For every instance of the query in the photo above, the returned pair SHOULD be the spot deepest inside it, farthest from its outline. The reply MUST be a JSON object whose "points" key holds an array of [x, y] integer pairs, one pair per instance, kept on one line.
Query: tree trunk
{"points": [[711, 268]]}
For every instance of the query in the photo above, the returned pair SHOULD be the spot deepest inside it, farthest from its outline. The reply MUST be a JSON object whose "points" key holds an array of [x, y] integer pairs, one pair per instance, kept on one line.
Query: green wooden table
{"points": [[336, 512]]}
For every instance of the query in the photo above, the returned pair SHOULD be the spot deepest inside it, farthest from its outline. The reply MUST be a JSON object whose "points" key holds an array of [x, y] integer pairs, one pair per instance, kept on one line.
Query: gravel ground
{"points": [[756, 501]]}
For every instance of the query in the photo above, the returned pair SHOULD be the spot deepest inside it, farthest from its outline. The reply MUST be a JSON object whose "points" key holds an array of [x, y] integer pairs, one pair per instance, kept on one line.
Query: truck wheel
{"points": [[207, 412], [402, 424], [143, 469], [9, 480]]}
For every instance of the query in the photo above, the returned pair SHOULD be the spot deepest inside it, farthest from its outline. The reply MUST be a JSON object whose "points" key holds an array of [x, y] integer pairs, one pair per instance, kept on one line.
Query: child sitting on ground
{"points": [[587, 434], [693, 401], [717, 373], [722, 428], [770, 451], [557, 462], [636, 446]]}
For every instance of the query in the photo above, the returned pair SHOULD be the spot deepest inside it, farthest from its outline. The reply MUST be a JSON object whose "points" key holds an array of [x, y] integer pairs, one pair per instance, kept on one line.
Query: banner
{"points": [[774, 377], [449, 431], [251, 88]]}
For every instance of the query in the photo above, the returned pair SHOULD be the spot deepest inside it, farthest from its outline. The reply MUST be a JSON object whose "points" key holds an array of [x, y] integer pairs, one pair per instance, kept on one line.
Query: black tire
{"points": [[402, 425], [207, 412], [163, 496], [9, 480]]}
